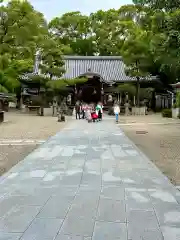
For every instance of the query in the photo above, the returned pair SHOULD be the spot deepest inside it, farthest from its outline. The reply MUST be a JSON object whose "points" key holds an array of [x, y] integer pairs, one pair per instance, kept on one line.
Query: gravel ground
{"points": [[11, 155], [23, 126], [160, 142], [19, 127]]}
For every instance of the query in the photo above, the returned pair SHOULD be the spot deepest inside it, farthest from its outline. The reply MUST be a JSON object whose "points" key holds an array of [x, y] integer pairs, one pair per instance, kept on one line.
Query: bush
{"points": [[174, 105], [178, 100], [167, 113]]}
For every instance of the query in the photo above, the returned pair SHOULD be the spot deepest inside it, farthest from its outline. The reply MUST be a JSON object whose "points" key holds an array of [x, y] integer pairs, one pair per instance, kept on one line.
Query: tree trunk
{"points": [[19, 101]]}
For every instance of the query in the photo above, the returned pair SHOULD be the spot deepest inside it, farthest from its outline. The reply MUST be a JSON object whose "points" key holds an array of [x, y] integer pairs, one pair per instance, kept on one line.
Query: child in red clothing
{"points": [[94, 116]]}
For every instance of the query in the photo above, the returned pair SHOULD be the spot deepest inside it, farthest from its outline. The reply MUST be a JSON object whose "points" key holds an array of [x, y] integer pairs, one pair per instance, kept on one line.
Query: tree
{"points": [[73, 30], [168, 5], [151, 46], [137, 56], [165, 38], [126, 88], [22, 30], [130, 89], [51, 67], [107, 32], [165, 46], [98, 34], [51, 70], [52, 63], [146, 34]]}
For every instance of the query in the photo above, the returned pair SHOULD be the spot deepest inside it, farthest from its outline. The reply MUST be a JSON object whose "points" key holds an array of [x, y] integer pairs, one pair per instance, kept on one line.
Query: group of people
{"points": [[90, 112], [93, 112]]}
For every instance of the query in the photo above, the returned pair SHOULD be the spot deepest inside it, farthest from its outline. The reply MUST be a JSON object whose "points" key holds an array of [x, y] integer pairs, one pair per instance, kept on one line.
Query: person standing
{"points": [[78, 110], [86, 110], [83, 110], [54, 107], [99, 111], [102, 110], [116, 111], [127, 105], [88, 113]]}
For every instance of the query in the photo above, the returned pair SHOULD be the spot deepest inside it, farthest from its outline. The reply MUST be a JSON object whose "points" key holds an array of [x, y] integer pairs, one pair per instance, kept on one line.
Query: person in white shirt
{"points": [[116, 111]]}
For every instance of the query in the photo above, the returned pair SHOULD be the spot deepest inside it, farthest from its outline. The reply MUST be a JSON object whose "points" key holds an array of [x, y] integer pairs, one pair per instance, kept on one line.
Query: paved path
{"points": [[88, 182]]}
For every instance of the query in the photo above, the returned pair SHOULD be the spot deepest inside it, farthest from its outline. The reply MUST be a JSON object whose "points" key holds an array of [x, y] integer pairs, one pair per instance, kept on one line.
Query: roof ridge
{"points": [[75, 57]]}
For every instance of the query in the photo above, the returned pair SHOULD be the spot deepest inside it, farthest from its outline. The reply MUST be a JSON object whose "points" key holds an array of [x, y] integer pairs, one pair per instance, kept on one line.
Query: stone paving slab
{"points": [[88, 182]]}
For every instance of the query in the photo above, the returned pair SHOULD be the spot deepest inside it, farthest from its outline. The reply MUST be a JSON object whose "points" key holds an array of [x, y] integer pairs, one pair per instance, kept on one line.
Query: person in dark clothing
{"points": [[99, 111], [83, 106], [100, 115], [78, 110]]}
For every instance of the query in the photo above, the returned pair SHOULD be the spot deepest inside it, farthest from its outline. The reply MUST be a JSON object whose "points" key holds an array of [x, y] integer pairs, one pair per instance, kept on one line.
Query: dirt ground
{"points": [[11, 155], [24, 127], [159, 139]]}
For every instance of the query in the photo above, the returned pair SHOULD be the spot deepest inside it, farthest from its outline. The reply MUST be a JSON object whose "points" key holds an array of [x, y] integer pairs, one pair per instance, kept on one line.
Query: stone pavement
{"points": [[88, 182]]}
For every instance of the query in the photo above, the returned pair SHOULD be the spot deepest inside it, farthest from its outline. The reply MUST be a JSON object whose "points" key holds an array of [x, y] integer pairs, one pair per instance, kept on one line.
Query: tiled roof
{"points": [[110, 69]]}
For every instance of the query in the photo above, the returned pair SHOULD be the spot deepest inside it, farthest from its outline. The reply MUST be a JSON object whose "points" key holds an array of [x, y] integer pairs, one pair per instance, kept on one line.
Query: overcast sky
{"points": [[53, 8]]}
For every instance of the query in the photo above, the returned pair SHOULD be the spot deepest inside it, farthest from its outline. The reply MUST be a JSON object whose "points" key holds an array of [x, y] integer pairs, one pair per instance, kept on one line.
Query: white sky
{"points": [[53, 8]]}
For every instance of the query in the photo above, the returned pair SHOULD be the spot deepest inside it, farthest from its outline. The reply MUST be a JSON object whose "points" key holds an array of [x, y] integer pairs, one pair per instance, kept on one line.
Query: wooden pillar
{"points": [[75, 93], [138, 92], [153, 101], [1, 104], [102, 94]]}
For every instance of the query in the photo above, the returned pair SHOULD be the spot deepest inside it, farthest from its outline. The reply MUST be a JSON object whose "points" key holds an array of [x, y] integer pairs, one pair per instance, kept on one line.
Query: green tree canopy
{"points": [[73, 30], [151, 45], [22, 30], [168, 5], [146, 34]]}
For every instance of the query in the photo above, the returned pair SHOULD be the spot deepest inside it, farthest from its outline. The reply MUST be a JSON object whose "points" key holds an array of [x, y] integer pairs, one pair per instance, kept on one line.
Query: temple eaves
{"points": [[110, 69]]}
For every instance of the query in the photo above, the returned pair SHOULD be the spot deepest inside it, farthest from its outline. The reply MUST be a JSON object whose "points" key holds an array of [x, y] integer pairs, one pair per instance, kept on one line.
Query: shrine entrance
{"points": [[90, 94], [91, 91]]}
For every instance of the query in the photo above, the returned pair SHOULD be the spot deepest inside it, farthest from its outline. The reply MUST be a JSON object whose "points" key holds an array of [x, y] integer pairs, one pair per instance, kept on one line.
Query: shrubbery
{"points": [[167, 113]]}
